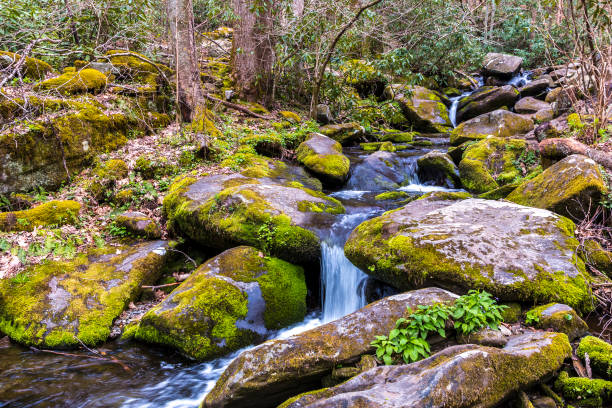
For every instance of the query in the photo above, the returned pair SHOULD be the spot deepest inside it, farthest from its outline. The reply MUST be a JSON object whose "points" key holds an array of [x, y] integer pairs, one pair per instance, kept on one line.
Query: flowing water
{"points": [[151, 377]]}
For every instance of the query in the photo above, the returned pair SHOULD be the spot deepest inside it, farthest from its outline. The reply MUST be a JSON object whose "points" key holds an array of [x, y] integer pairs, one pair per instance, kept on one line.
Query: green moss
{"points": [[600, 354], [593, 254], [392, 195], [290, 401], [399, 137], [92, 290], [371, 146], [52, 213], [595, 392], [475, 178], [33, 68], [290, 116], [70, 83], [512, 313], [560, 319]]}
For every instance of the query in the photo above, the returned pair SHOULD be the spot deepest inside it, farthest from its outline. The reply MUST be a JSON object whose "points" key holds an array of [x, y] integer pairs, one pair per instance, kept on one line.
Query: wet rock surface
{"points": [[486, 99], [499, 123], [323, 157]]}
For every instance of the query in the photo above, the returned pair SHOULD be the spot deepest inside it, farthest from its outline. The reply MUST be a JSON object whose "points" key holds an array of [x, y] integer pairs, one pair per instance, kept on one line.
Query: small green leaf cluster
{"points": [[408, 340], [532, 317]]}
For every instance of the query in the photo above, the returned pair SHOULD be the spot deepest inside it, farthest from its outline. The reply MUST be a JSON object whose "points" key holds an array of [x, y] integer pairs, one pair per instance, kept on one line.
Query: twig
{"points": [[161, 286], [186, 256], [214, 42], [237, 107], [587, 363], [85, 347], [60, 353]]}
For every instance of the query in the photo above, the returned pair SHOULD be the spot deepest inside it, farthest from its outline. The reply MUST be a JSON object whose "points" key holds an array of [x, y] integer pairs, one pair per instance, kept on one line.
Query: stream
{"points": [[155, 377]]}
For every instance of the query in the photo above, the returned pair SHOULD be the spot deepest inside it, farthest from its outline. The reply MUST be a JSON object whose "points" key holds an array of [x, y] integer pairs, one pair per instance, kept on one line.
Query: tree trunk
{"points": [[253, 50], [191, 103]]}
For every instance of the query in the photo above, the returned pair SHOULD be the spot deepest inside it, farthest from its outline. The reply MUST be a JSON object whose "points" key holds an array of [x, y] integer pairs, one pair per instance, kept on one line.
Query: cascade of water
{"points": [[520, 79]]}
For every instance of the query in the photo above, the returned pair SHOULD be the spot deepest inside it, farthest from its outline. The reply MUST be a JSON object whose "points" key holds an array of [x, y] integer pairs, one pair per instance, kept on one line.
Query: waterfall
{"points": [[342, 284]]}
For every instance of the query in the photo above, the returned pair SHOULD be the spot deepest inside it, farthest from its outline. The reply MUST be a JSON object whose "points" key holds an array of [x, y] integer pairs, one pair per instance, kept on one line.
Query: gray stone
{"points": [[323, 157], [530, 105], [500, 123], [501, 65], [323, 114], [537, 87], [486, 99]]}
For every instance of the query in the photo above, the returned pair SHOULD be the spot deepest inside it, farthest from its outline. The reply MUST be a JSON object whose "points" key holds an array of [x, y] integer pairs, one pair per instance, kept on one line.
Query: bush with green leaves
{"points": [[408, 340]]}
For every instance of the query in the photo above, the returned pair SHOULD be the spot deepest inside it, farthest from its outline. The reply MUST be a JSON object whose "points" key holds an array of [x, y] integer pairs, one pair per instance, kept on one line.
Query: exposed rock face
{"points": [[500, 123], [567, 187], [439, 168], [423, 108], [324, 114], [323, 157], [379, 171], [277, 369], [269, 212], [486, 99], [139, 224], [560, 318], [530, 105], [63, 301], [231, 301], [491, 163], [514, 252], [501, 65], [536, 88], [459, 376], [346, 133]]}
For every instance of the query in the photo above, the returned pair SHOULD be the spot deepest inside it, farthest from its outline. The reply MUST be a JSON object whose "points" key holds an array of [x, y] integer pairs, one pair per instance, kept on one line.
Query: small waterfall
{"points": [[520, 79], [342, 284]]}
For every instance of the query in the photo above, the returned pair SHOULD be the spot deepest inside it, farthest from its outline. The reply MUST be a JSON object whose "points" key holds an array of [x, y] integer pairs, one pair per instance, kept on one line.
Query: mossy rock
{"points": [[59, 303], [279, 369], [399, 137], [270, 145], [499, 123], [600, 354], [227, 210], [232, 300], [459, 376], [104, 177], [132, 68], [33, 68], [500, 192], [594, 255], [380, 171], [486, 99], [151, 167], [494, 162], [345, 133], [568, 187], [437, 167], [423, 108], [363, 77], [392, 195], [50, 214], [474, 244], [139, 225], [70, 83], [512, 312], [594, 393], [292, 117], [323, 157], [560, 318]]}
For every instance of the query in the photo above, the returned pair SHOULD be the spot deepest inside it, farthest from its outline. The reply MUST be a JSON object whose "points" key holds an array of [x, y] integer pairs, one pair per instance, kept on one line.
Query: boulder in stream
{"points": [[500, 123], [530, 105], [501, 65], [439, 168], [486, 99], [61, 304], [516, 253], [456, 377], [277, 369], [323, 157], [231, 301], [380, 171], [424, 108], [346, 133]]}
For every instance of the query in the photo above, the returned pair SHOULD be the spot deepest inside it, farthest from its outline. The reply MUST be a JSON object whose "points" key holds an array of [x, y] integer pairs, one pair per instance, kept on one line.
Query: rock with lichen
{"points": [[559, 318], [61, 304], [232, 300], [501, 65], [499, 123], [275, 370], [380, 171], [344, 133], [323, 157], [424, 109], [458, 376], [87, 80], [593, 393], [600, 355], [50, 214], [516, 253], [437, 167], [486, 99], [33, 68], [569, 187], [139, 225]]}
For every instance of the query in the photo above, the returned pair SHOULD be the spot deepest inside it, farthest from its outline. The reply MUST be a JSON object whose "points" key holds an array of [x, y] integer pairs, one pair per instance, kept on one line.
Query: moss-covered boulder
{"points": [[138, 224], [53, 213], [592, 393], [275, 370], [59, 303], [85, 81], [44, 153], [530, 105], [346, 133], [600, 355], [223, 211], [559, 318], [380, 171], [595, 256], [494, 162], [362, 76], [501, 65], [458, 376], [423, 108], [102, 180], [568, 187], [516, 253], [486, 99], [323, 157], [232, 300], [499, 123], [437, 167], [33, 68]]}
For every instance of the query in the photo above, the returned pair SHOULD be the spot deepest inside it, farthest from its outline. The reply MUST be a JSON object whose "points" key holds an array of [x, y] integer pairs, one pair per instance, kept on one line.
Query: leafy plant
{"points": [[476, 310], [531, 317]]}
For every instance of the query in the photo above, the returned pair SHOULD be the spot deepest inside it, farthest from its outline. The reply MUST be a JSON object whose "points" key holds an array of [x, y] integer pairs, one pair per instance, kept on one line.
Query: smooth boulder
{"points": [[537, 87], [277, 369], [500, 123], [323, 157], [62, 304], [346, 133], [456, 377], [530, 105], [232, 300], [422, 107], [380, 171], [559, 318], [569, 187], [486, 99], [438, 167], [516, 253], [501, 65]]}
